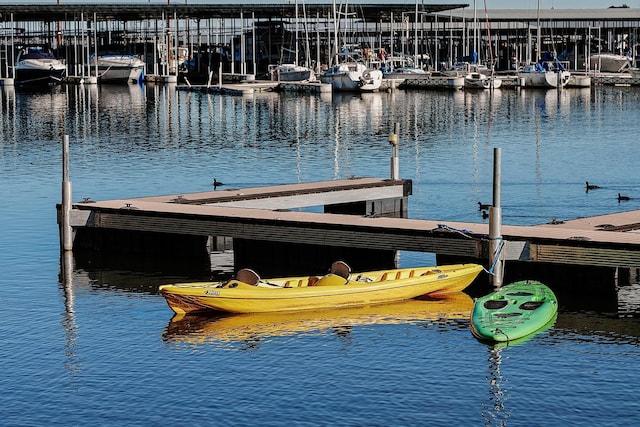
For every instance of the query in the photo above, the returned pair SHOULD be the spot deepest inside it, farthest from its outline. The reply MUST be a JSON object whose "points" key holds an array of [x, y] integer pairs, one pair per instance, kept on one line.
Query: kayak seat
{"points": [[248, 276], [436, 271], [340, 268], [331, 280]]}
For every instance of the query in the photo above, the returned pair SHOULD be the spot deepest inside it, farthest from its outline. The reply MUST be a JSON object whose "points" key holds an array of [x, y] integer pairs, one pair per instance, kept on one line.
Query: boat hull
{"points": [[514, 311], [609, 63], [118, 68], [548, 79], [300, 293], [352, 78], [30, 72], [481, 81], [291, 73]]}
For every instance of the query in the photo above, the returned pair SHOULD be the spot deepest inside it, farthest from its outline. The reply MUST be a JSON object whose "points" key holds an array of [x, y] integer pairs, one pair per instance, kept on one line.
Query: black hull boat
{"points": [[36, 66]]}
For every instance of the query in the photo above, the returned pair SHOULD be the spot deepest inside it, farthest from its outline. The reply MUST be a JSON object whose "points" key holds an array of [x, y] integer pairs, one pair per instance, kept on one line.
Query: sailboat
{"points": [[548, 72], [352, 75], [476, 80], [483, 80], [349, 72], [289, 72]]}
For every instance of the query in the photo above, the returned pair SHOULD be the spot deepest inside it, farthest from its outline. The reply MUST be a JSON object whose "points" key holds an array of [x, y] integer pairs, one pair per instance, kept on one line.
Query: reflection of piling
{"points": [[395, 161], [495, 222], [67, 236], [67, 280]]}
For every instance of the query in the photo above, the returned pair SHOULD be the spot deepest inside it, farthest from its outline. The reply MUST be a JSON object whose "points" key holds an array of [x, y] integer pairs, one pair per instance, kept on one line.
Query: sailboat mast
{"points": [[475, 33], [486, 17], [538, 34], [415, 38], [335, 31]]}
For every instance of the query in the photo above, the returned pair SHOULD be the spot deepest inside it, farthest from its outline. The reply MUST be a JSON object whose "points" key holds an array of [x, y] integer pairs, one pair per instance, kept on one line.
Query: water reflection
{"points": [[495, 412], [249, 330], [69, 324]]}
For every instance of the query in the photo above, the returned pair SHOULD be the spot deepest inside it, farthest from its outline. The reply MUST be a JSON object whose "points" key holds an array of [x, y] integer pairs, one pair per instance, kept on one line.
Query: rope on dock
{"points": [[462, 231], [478, 236]]}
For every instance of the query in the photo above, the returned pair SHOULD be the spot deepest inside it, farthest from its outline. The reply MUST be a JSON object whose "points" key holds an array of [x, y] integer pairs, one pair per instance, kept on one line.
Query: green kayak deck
{"points": [[513, 311]]}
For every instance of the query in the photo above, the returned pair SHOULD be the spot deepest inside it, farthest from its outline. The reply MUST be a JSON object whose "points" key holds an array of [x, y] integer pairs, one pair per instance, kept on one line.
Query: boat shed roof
{"points": [[141, 11], [554, 15]]}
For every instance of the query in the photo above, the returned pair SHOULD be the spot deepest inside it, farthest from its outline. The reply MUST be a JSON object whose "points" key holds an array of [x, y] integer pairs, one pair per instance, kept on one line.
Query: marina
{"points": [[209, 45], [175, 183]]}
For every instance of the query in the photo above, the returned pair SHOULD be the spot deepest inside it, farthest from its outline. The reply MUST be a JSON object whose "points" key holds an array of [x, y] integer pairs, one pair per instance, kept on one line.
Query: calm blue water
{"points": [[100, 348]]}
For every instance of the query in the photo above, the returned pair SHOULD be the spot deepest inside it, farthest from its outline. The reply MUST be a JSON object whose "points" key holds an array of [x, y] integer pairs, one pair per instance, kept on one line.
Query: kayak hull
{"points": [[514, 311], [330, 291]]}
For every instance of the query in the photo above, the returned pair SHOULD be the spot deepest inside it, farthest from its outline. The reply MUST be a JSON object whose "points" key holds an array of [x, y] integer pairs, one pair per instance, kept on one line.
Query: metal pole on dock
{"points": [[67, 236], [495, 222], [395, 161]]}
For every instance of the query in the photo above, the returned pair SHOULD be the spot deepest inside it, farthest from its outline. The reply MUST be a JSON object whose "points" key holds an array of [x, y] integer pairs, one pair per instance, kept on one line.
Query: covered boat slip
{"points": [[439, 32]]}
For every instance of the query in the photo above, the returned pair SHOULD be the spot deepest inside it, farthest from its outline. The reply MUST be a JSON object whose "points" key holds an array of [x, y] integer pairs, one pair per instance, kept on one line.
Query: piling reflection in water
{"points": [[495, 411]]}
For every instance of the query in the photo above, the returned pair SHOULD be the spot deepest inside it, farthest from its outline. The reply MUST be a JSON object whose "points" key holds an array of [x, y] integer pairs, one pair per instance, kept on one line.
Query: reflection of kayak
{"points": [[252, 326], [514, 311], [250, 294]]}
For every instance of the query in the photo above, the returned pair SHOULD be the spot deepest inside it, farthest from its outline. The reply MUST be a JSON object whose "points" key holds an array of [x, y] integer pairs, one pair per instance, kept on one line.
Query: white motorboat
{"points": [[117, 68], [37, 66], [352, 76], [477, 80], [535, 75], [401, 67], [291, 73], [609, 62], [461, 69]]}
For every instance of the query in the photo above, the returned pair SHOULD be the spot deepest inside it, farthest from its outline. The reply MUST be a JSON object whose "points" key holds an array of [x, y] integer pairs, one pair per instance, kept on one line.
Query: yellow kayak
{"points": [[247, 293]]}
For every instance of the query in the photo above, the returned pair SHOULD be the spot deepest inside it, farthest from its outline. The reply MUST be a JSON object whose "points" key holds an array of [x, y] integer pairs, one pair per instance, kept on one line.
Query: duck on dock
{"points": [[216, 183], [483, 207], [591, 186], [621, 197]]}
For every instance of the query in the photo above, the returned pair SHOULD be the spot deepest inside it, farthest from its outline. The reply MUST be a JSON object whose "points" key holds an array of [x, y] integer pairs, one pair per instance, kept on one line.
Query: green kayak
{"points": [[513, 311]]}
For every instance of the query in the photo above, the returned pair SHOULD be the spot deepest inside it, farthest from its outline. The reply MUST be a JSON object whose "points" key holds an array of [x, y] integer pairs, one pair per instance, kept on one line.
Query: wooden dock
{"points": [[367, 214]]}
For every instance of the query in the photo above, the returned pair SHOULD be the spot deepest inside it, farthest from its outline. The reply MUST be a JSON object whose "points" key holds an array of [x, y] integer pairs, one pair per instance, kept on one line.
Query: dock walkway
{"points": [[265, 214]]}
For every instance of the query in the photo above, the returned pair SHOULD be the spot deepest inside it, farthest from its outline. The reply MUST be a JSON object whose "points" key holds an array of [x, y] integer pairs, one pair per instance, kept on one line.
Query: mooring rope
{"points": [[462, 231], [471, 235], [496, 254]]}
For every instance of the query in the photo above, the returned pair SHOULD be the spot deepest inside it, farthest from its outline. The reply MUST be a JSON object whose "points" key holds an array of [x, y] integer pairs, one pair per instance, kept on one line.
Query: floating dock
{"points": [[364, 218]]}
